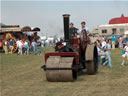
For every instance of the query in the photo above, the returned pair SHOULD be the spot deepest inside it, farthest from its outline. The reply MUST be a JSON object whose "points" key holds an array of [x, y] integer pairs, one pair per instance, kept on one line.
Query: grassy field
{"points": [[22, 76]]}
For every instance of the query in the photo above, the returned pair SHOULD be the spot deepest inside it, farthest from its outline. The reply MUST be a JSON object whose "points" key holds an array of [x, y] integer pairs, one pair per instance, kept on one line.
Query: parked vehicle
{"points": [[14, 32], [124, 41]]}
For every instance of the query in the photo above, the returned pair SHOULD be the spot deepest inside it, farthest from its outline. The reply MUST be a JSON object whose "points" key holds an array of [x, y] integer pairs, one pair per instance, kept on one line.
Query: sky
{"points": [[47, 15]]}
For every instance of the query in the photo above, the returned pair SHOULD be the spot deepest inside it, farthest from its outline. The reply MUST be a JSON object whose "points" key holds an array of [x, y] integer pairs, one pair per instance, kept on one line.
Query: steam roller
{"points": [[72, 55]]}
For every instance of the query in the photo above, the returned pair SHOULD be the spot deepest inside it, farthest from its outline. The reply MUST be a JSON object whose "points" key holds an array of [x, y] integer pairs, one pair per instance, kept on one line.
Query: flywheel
{"points": [[7, 38]]}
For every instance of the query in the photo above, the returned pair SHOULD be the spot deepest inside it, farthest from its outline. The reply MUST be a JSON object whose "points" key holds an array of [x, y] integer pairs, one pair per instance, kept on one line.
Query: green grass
{"points": [[22, 76]]}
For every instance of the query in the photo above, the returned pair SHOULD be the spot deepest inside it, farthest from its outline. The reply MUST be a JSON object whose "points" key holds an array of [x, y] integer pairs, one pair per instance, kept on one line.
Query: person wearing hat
{"points": [[72, 31]]}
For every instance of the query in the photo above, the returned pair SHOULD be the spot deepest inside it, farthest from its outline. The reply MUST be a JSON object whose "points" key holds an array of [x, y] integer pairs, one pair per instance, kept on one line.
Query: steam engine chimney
{"points": [[66, 26]]}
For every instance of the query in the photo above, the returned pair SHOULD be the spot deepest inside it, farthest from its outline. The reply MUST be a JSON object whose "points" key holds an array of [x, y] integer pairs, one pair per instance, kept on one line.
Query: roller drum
{"points": [[60, 75]]}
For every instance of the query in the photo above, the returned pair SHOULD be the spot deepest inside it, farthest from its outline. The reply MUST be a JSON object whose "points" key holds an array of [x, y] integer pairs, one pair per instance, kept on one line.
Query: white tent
{"points": [[126, 32], [43, 37]]}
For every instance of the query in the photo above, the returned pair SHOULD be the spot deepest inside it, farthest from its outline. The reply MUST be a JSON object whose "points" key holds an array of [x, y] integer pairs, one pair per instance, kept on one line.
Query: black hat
{"points": [[71, 23]]}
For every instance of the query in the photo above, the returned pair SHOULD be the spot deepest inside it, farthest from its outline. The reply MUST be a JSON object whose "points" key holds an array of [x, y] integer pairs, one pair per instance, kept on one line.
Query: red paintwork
{"points": [[1, 44], [119, 20], [76, 40], [73, 54], [76, 44], [79, 44]]}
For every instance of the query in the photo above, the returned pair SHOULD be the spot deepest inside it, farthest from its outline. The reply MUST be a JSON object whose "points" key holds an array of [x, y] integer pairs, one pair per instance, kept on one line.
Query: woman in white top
{"points": [[6, 47], [126, 54]]}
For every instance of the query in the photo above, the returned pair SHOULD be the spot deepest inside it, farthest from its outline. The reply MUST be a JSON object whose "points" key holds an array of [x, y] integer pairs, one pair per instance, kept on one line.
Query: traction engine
{"points": [[71, 56]]}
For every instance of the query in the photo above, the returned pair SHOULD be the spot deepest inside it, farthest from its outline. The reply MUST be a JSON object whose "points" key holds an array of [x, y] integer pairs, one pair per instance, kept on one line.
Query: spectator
{"points": [[23, 47], [125, 55], [113, 42], [103, 43], [101, 53], [26, 47], [11, 47], [98, 42], [38, 47], [121, 42], [6, 47], [20, 47], [33, 44], [17, 43], [98, 49], [108, 53]]}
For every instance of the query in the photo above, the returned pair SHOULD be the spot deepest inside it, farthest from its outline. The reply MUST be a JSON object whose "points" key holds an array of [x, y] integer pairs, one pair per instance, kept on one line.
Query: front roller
{"points": [[91, 58], [59, 69]]}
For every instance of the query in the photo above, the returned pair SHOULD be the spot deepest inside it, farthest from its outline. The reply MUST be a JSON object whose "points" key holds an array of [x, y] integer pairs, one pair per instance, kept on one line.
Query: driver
{"points": [[72, 31]]}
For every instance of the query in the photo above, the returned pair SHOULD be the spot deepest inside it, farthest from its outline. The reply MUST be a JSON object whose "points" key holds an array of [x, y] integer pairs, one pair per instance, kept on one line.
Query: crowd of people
{"points": [[24, 46], [104, 52], [104, 48]]}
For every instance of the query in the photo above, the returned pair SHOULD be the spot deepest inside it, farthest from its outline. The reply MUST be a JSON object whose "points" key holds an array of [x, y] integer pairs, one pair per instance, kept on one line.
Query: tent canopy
{"points": [[126, 32]]}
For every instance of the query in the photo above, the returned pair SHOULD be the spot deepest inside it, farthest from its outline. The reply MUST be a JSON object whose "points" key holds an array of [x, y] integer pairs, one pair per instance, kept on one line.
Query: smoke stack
{"points": [[66, 26]]}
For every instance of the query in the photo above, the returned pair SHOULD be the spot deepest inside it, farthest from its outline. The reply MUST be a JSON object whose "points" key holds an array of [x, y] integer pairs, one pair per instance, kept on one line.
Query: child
{"points": [[125, 54], [108, 53], [101, 54]]}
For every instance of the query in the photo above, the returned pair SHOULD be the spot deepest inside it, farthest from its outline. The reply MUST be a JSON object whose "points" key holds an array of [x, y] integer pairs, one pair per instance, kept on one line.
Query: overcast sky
{"points": [[48, 14]]}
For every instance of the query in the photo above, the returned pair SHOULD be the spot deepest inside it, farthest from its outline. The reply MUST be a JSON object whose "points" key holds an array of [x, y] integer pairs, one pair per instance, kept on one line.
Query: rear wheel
{"points": [[91, 60], [91, 68]]}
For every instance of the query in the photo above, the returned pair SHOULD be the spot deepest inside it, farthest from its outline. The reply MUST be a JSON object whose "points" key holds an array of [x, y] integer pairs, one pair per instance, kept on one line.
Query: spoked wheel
{"points": [[8, 38], [59, 69], [92, 61]]}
